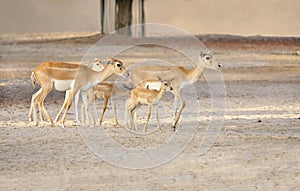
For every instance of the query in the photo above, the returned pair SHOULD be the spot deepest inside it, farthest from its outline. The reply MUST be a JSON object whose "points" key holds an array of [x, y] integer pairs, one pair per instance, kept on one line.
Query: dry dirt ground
{"points": [[258, 147]]}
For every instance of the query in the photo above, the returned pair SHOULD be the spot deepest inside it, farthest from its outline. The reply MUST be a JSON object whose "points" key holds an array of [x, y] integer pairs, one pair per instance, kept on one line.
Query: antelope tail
{"points": [[33, 80], [128, 87]]}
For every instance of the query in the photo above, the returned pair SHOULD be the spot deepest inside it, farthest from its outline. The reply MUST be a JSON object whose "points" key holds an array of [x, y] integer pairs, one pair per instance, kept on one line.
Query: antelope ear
{"points": [[159, 78], [201, 53], [108, 60], [99, 60]]}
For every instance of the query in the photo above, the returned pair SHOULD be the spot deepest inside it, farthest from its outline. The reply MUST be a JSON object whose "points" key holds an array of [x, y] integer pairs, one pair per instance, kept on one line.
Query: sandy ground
{"points": [[256, 149]]}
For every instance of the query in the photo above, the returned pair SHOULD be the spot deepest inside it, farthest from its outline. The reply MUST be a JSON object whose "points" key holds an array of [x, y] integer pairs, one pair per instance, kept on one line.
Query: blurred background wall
{"points": [[237, 17]]}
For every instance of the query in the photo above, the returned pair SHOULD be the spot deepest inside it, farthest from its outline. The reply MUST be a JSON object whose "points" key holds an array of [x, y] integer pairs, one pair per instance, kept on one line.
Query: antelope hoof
{"points": [[62, 124], [35, 123], [159, 129], [78, 122], [174, 128]]}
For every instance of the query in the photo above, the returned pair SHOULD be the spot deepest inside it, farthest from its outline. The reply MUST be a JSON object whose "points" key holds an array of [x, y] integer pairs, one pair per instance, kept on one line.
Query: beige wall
{"points": [[245, 17], [240, 17], [49, 15]]}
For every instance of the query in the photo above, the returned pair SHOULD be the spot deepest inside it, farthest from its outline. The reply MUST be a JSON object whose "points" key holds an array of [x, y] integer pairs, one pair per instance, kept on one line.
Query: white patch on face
{"points": [[63, 85], [95, 66]]}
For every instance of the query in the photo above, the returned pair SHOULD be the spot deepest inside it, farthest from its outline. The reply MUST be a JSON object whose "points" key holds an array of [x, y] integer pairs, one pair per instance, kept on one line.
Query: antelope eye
{"points": [[119, 65], [207, 58], [166, 84]]}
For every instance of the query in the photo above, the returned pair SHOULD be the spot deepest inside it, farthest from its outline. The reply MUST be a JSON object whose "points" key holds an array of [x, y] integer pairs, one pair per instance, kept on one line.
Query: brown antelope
{"points": [[106, 91], [98, 67], [76, 78], [103, 91], [181, 77], [95, 65], [143, 96]]}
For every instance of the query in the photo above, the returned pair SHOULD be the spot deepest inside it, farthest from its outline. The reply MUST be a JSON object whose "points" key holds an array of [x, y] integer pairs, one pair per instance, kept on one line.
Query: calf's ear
{"points": [[159, 78]]}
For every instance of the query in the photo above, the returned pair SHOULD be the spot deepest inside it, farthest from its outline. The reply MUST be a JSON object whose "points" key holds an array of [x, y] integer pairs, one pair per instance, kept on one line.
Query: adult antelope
{"points": [[143, 96], [77, 79], [96, 65], [68, 94], [181, 78]]}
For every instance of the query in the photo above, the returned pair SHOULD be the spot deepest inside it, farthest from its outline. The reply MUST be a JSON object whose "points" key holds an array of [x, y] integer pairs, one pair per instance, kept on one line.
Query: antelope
{"points": [[99, 67], [95, 65], [78, 79], [181, 78], [142, 96], [106, 91], [103, 91]]}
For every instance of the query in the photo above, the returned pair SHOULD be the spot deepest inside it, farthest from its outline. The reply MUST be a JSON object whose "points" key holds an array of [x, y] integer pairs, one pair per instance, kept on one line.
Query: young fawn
{"points": [[103, 91], [143, 96]]}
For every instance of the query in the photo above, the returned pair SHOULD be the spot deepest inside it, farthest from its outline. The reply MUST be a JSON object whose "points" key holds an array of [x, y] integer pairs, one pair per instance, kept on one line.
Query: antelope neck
{"points": [[194, 73], [161, 92], [104, 74]]}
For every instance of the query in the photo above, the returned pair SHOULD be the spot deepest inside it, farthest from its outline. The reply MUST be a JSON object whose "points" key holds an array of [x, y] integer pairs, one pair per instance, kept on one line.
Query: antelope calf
{"points": [[107, 91], [142, 96], [103, 91]]}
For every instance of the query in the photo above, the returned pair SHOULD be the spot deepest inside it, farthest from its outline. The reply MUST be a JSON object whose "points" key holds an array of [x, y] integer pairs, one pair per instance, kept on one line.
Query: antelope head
{"points": [[208, 61]]}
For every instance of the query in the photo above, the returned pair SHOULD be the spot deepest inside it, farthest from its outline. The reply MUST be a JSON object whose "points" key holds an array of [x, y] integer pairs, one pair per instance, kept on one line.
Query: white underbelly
{"points": [[63, 85]]}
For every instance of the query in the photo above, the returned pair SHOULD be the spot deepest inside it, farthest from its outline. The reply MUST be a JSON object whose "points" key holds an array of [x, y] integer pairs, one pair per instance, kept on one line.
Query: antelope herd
{"points": [[88, 81]]}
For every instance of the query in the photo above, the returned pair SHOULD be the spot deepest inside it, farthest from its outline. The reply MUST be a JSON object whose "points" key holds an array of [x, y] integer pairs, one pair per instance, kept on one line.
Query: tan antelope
{"points": [[103, 91], [181, 78], [100, 66], [76, 78], [95, 65], [143, 96], [107, 91]]}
